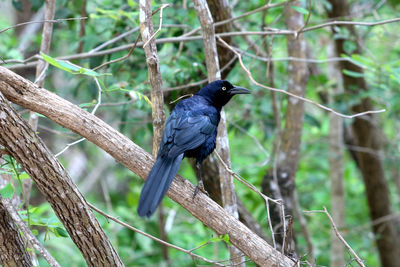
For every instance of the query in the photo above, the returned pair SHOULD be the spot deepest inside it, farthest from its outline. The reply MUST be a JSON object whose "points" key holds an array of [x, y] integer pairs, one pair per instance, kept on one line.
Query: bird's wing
{"points": [[186, 131]]}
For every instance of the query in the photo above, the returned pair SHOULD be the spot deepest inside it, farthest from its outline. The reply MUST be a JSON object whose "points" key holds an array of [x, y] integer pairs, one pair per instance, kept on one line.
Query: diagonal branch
{"points": [[27, 94], [52, 180]]}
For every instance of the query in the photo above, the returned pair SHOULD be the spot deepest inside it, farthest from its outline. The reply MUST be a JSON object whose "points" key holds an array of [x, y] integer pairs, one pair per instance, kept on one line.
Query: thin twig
{"points": [[253, 188], [121, 58], [307, 20], [93, 112], [359, 261], [195, 84], [179, 98], [189, 252], [223, 22], [159, 27], [293, 95], [115, 39], [39, 21], [255, 140], [199, 37]]}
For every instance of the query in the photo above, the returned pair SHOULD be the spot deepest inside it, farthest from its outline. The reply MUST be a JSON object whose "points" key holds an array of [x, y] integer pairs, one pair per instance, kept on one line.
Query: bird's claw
{"points": [[199, 186]]}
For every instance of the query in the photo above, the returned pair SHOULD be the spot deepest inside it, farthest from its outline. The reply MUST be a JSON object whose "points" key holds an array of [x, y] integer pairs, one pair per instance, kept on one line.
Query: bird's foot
{"points": [[199, 186]]}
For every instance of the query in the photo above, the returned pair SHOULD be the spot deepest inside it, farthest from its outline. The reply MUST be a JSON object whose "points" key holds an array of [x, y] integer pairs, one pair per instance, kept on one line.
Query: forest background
{"points": [[333, 143]]}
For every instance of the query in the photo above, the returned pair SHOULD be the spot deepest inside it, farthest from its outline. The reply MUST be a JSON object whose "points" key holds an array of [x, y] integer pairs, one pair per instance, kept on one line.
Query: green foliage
{"points": [[127, 107], [7, 191], [69, 67]]}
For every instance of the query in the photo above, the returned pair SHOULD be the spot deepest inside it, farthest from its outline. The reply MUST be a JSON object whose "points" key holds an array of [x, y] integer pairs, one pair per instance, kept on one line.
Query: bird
{"points": [[190, 131]]}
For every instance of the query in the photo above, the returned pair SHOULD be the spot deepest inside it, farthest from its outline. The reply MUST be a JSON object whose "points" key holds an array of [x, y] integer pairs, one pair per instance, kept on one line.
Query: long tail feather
{"points": [[157, 184]]}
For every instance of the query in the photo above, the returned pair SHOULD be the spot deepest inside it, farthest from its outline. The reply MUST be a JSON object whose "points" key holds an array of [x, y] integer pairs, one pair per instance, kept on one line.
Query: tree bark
{"points": [[27, 235], [221, 10], [157, 98], [53, 181], [28, 95], [336, 167], [289, 152], [12, 247], [225, 179], [367, 134], [154, 74]]}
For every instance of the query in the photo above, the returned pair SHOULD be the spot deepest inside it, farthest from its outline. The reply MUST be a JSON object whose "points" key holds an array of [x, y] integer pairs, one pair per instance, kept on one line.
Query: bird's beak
{"points": [[239, 90]]}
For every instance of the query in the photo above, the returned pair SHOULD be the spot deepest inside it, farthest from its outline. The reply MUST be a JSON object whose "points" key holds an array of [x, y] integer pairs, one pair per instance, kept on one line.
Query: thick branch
{"points": [[27, 94], [54, 183]]}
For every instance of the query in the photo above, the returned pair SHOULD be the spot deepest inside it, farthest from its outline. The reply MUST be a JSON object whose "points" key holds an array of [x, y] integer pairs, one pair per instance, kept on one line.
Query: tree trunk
{"points": [[226, 180], [12, 248], [289, 151], [367, 134], [336, 167], [221, 10]]}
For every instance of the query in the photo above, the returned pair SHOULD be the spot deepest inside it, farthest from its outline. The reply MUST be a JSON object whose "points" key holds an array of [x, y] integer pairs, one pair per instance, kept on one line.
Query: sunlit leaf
{"points": [[69, 67]]}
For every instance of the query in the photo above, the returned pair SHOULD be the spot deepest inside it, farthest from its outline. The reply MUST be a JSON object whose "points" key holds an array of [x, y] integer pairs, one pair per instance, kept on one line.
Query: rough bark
{"points": [[40, 78], [53, 181], [367, 134], [28, 237], [157, 97], [154, 74], [289, 152], [12, 247], [221, 10], [28, 95], [225, 179]]}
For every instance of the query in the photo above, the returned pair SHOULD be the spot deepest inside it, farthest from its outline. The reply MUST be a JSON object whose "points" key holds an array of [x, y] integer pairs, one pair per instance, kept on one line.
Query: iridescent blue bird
{"points": [[190, 131]]}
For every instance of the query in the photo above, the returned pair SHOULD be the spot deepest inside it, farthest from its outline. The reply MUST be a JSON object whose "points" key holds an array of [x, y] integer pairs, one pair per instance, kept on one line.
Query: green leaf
{"points": [[7, 191], [226, 239], [353, 73], [35, 232], [61, 232], [363, 61], [24, 175], [300, 9], [69, 67]]}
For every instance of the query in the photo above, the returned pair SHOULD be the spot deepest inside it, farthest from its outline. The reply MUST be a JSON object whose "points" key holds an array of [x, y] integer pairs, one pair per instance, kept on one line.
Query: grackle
{"points": [[190, 131]]}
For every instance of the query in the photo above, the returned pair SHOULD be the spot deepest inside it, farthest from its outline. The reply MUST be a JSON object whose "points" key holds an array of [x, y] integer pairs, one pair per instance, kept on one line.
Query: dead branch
{"points": [[359, 261]]}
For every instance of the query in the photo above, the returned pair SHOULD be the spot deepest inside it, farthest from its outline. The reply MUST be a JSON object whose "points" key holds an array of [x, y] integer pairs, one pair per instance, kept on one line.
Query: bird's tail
{"points": [[157, 184]]}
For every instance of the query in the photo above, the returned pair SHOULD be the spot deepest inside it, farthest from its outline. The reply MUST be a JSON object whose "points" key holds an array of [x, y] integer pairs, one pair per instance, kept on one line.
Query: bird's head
{"points": [[220, 92]]}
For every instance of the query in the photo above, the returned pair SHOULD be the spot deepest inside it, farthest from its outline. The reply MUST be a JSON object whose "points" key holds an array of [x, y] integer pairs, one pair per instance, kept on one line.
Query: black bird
{"points": [[190, 131]]}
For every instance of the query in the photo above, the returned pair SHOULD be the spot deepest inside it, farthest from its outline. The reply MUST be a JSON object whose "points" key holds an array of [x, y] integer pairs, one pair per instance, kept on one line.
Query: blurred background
{"points": [[303, 154]]}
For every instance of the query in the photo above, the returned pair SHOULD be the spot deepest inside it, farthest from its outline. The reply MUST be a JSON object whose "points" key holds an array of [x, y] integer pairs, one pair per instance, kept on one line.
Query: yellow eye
{"points": [[223, 88]]}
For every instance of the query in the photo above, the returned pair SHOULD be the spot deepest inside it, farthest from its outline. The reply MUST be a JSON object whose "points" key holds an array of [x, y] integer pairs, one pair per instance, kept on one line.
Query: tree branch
{"points": [[53, 181], [27, 94]]}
